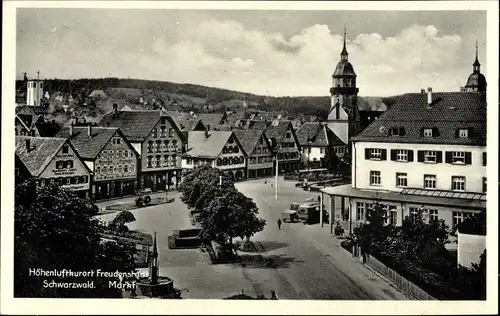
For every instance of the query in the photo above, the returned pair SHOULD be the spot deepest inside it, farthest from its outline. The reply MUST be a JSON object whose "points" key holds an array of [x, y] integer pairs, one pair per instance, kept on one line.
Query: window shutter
{"points": [[468, 158], [410, 155], [448, 156], [420, 156], [402, 131], [384, 154], [394, 153], [422, 132], [435, 132], [439, 157], [457, 133], [484, 159], [390, 131], [367, 153], [471, 132]]}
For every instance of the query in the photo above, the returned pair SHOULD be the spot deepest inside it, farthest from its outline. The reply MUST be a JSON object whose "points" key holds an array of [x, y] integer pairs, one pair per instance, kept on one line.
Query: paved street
{"points": [[308, 263], [305, 262], [190, 268]]}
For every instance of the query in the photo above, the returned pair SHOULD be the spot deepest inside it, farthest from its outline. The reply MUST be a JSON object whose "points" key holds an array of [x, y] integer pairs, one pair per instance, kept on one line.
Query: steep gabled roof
{"points": [[212, 119], [317, 134], [202, 147], [448, 112], [184, 121], [248, 139], [136, 125], [278, 130], [88, 147], [42, 151]]}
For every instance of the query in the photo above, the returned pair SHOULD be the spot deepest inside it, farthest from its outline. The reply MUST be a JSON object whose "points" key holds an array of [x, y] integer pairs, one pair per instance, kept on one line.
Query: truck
{"points": [[309, 213]]}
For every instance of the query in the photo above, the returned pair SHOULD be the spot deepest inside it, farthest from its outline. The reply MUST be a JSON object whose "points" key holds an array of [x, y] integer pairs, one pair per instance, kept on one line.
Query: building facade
{"points": [[219, 149], [111, 158], [286, 146], [316, 141], [428, 152], [158, 140], [259, 153], [54, 160]]}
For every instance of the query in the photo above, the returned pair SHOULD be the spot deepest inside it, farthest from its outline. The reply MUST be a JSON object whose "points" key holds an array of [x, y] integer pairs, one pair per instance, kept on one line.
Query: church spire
{"points": [[476, 65], [344, 53]]}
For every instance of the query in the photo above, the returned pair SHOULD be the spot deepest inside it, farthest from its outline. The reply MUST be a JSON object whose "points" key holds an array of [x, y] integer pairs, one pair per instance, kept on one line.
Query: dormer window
{"points": [[397, 131], [463, 133], [427, 132]]}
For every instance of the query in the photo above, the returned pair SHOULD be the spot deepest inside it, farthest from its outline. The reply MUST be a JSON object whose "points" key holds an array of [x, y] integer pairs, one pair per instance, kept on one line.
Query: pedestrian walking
{"points": [[279, 223]]}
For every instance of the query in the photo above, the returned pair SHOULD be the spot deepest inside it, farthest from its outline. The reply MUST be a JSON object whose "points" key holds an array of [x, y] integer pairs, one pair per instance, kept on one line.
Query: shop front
{"points": [[161, 180]]}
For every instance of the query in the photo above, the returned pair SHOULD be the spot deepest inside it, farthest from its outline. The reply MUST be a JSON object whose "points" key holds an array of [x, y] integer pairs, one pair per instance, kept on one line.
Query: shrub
{"points": [[347, 244], [147, 200]]}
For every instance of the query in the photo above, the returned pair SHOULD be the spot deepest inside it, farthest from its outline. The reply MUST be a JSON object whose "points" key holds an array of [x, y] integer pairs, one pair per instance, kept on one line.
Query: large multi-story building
{"points": [[285, 144], [108, 154], [428, 152], [219, 149], [158, 140], [53, 160], [259, 152]]}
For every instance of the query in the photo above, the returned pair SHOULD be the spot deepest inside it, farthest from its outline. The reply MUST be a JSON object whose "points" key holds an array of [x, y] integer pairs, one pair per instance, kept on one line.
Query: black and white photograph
{"points": [[318, 153]]}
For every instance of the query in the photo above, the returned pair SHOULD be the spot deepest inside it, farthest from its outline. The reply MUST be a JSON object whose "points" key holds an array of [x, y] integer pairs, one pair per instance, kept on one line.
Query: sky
{"points": [[277, 53]]}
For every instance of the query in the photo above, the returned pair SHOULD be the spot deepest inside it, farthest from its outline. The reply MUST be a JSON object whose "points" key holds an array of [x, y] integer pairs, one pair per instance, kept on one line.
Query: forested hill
{"points": [[106, 91]]}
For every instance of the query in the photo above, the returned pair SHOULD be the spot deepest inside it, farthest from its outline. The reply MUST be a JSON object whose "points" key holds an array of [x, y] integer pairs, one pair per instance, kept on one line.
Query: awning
{"points": [[348, 191]]}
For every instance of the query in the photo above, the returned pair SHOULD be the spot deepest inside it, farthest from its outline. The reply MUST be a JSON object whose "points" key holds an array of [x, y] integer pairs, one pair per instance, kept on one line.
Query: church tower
{"points": [[343, 118], [476, 81]]}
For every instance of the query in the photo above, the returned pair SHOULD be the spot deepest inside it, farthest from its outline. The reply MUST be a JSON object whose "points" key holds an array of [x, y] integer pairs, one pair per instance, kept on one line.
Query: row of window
{"points": [[116, 141], [457, 182], [431, 132], [428, 156], [254, 160], [66, 180], [230, 150], [230, 161], [391, 214], [287, 145], [64, 164], [114, 169], [322, 150], [161, 161], [262, 150], [163, 132], [121, 153], [286, 156], [159, 146]]}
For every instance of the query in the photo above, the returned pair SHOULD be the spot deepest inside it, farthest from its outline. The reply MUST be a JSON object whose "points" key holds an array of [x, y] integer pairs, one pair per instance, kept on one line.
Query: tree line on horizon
{"points": [[80, 89]]}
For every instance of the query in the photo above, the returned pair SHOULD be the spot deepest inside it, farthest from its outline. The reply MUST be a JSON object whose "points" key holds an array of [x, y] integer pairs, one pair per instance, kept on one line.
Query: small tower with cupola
{"points": [[476, 81]]}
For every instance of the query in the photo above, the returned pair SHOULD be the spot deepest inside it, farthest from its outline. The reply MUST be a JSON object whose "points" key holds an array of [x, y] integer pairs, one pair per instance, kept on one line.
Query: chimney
{"points": [[89, 130], [28, 144], [207, 134], [115, 109], [422, 91], [429, 96], [71, 129]]}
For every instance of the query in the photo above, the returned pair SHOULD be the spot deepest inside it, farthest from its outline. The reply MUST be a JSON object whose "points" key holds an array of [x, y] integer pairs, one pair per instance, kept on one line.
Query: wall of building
{"points": [[119, 160], [340, 128], [73, 172], [169, 152], [470, 248], [288, 147], [262, 153], [34, 92], [415, 170], [313, 153], [228, 152]]}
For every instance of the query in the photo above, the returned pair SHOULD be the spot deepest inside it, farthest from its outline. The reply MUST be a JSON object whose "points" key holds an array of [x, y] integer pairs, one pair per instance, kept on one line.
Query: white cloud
{"points": [[226, 54]]}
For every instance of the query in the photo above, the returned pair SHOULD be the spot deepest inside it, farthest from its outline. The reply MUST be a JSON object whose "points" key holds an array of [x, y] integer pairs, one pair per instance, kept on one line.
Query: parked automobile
{"points": [[309, 213], [185, 238]]}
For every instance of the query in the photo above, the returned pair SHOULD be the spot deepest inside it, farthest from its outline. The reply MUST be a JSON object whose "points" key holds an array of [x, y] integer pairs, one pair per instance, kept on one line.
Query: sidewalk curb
{"points": [[382, 277]]}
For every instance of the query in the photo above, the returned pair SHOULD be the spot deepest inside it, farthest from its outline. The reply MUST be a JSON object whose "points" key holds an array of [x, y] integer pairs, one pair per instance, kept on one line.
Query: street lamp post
{"points": [[276, 179], [309, 155]]}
